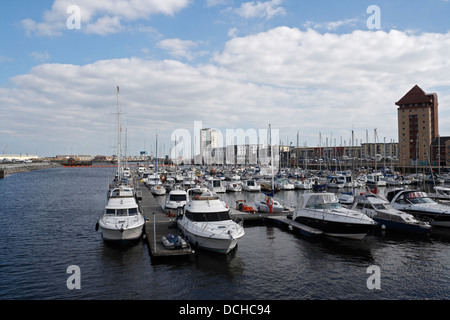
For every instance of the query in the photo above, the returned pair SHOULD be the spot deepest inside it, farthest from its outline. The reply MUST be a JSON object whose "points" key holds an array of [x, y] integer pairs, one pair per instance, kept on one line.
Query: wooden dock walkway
{"points": [[305, 230], [157, 225]]}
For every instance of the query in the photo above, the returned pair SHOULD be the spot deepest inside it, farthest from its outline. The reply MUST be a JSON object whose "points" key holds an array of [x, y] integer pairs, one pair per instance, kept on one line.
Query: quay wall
{"points": [[6, 169]]}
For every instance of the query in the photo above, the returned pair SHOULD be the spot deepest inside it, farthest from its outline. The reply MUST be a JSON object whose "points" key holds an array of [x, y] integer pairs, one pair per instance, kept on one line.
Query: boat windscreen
{"points": [[323, 201], [177, 197], [208, 216]]}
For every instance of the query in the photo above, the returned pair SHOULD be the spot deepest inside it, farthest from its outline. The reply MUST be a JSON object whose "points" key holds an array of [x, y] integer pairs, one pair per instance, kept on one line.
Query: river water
{"points": [[48, 225]]}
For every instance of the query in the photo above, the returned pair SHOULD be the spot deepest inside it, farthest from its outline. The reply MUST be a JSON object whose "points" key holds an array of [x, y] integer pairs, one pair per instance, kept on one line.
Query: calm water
{"points": [[48, 224]]}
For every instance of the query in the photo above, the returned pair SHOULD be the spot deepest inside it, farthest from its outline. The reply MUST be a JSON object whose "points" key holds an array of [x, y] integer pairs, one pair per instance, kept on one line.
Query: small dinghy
{"points": [[174, 242]]}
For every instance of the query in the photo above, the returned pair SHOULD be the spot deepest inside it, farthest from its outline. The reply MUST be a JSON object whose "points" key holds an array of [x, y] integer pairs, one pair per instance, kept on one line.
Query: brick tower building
{"points": [[417, 126]]}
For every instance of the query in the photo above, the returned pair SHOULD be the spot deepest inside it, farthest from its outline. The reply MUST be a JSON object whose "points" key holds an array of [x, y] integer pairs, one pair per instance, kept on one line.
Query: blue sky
{"points": [[306, 66]]}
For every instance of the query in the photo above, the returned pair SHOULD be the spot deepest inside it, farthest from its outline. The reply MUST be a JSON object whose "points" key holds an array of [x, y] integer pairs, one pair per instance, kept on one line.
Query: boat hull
{"points": [[109, 234], [219, 245], [435, 219], [337, 229], [415, 228]]}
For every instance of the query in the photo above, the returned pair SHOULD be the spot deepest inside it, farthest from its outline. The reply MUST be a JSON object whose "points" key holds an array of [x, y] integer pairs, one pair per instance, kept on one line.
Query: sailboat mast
{"points": [[271, 155], [156, 160], [119, 130]]}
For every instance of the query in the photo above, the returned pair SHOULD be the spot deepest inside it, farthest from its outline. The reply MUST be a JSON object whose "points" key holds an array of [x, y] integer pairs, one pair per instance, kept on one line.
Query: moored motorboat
{"points": [[440, 193], [420, 205], [158, 189], [386, 216], [322, 211], [284, 184], [122, 219], [175, 200], [304, 184], [269, 205], [376, 179], [234, 186], [206, 222], [216, 185], [336, 181], [251, 185]]}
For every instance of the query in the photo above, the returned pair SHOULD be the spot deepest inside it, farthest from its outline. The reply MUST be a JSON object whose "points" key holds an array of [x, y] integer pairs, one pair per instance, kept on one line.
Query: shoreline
{"points": [[8, 169]]}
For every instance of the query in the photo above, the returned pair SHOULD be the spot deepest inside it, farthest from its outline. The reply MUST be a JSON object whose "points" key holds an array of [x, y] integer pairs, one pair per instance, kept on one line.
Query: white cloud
{"points": [[299, 80], [179, 48], [258, 9], [233, 32], [330, 26], [40, 56], [102, 16], [215, 3]]}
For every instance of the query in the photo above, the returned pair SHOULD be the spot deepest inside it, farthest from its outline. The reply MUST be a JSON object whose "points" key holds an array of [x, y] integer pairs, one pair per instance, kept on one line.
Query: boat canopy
{"points": [[121, 192], [319, 201]]}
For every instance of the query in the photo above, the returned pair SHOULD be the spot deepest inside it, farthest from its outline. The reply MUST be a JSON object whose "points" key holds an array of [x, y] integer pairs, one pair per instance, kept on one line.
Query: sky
{"points": [[317, 71]]}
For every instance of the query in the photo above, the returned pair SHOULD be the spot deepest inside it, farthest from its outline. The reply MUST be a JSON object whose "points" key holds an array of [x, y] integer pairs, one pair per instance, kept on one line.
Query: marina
{"points": [[214, 158], [327, 267]]}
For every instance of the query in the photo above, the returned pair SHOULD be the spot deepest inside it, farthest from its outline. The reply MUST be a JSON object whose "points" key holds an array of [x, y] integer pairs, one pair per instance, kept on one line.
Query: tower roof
{"points": [[415, 95]]}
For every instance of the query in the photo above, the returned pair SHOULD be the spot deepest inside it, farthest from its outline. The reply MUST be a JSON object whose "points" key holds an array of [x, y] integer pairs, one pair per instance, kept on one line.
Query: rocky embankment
{"points": [[10, 168]]}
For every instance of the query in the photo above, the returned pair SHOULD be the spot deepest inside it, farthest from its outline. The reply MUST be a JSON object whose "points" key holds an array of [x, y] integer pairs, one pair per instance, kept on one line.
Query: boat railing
{"points": [[340, 215]]}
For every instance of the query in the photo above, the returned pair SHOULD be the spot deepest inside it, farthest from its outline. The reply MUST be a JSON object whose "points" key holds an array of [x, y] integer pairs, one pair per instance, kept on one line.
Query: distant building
{"points": [[17, 157], [440, 151], [417, 126]]}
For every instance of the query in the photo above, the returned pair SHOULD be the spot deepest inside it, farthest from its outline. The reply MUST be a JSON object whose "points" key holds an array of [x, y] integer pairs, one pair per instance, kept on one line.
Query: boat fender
{"points": [[96, 226]]}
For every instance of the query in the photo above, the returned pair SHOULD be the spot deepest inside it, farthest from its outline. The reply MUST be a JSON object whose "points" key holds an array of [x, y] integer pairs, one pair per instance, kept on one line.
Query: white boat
{"points": [[305, 184], [284, 184], [206, 222], [269, 205], [386, 216], [175, 200], [420, 205], [251, 185], [234, 186], [349, 181], [346, 199], [188, 182], [322, 211], [336, 181], [394, 181], [169, 184], [126, 172], [122, 219], [375, 179], [441, 193], [216, 185], [158, 189]]}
